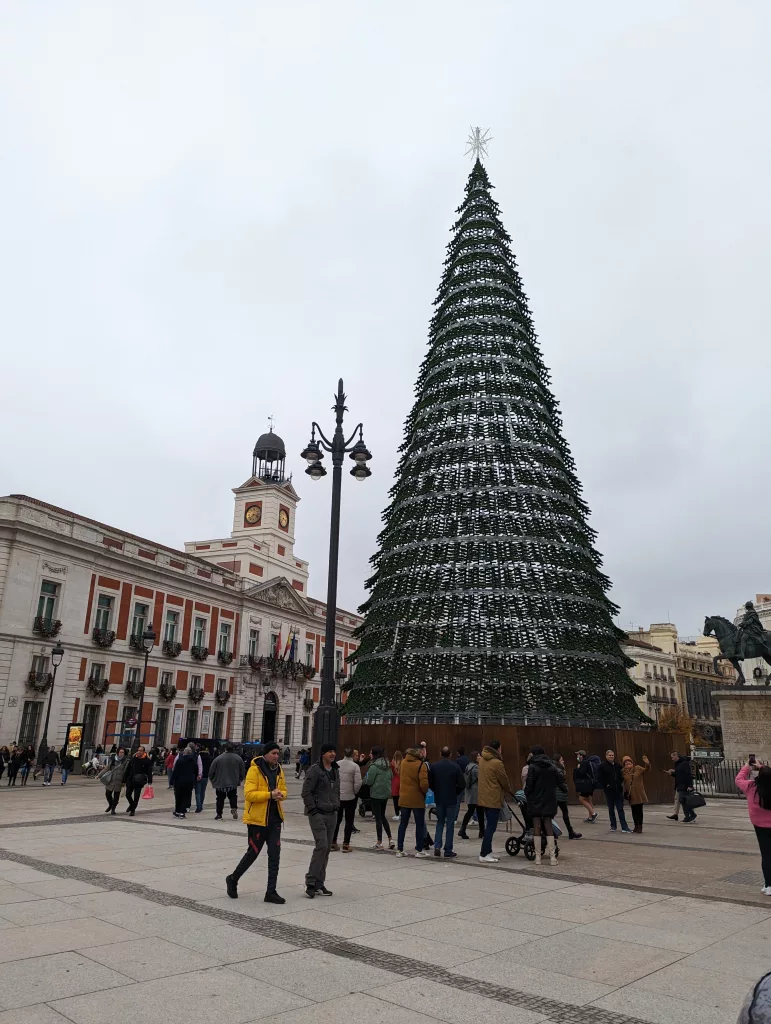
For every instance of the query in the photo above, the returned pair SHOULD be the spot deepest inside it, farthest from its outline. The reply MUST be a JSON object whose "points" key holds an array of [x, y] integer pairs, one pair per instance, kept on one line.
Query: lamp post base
{"points": [[326, 724]]}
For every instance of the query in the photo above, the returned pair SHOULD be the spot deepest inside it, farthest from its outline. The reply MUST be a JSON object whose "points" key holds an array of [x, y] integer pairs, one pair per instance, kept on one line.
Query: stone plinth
{"points": [[745, 715]]}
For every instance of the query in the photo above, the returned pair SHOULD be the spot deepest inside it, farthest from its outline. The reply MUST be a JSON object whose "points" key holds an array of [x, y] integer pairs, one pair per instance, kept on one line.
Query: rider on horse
{"points": [[750, 628]]}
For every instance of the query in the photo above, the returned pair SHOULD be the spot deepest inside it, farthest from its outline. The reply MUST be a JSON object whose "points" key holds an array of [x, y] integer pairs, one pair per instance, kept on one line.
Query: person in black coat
{"points": [[611, 779], [184, 776], [139, 772], [447, 781], [541, 792], [683, 776]]}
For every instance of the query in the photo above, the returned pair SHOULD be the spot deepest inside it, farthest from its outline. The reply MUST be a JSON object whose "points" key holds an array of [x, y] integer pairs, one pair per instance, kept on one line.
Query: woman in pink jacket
{"points": [[758, 793]]}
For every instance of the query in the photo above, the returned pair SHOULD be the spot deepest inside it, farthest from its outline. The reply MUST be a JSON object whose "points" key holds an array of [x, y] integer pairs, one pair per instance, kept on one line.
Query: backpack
{"points": [[594, 769]]}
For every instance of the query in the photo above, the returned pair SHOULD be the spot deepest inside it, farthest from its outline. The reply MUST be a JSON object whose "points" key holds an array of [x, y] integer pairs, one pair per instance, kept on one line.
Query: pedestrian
{"points": [[305, 760], [634, 787], [563, 797], [350, 784], [287, 755], [184, 776], [203, 781], [493, 786], [586, 780], [471, 779], [461, 760], [138, 774], [14, 765], [447, 782], [297, 764], [169, 763], [379, 779], [226, 773], [612, 782], [5, 757], [758, 793], [321, 796], [50, 761], [264, 794], [413, 786], [683, 779], [68, 763], [543, 777], [113, 779], [31, 765], [396, 762]]}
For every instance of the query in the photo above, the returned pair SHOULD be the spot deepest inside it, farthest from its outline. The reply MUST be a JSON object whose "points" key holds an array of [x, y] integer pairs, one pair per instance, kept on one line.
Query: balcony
{"points": [[167, 691], [195, 694], [97, 686], [224, 657], [103, 637], [662, 700], [199, 652], [171, 648], [222, 697], [135, 642], [254, 662], [39, 681], [46, 627], [308, 703], [134, 688]]}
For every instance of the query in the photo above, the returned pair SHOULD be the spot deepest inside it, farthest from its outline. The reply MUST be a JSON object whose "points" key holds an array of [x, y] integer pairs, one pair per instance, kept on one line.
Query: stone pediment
{"points": [[281, 594], [255, 483]]}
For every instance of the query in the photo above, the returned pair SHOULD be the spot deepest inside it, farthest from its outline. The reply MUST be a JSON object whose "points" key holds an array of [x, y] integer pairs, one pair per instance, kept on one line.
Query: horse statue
{"points": [[735, 647]]}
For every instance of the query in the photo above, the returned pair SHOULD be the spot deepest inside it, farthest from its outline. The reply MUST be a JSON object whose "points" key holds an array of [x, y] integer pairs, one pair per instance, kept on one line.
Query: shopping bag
{"points": [[429, 797], [106, 777], [505, 812], [147, 792]]}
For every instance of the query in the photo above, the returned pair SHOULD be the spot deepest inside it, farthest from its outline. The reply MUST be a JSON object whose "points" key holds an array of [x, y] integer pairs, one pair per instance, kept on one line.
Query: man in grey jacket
{"points": [[226, 774], [321, 796], [350, 784]]}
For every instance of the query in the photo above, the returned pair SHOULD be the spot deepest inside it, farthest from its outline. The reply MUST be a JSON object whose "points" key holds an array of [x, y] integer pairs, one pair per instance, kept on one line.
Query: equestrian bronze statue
{"points": [[749, 640]]}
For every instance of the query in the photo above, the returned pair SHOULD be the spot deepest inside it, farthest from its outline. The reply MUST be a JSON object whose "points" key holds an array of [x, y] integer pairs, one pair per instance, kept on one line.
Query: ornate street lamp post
{"points": [[326, 721], [148, 642], [57, 653]]}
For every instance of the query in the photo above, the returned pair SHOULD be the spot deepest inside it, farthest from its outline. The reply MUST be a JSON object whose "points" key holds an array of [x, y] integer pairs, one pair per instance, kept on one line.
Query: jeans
{"points": [[257, 837], [764, 842], [381, 821], [445, 822], [48, 772], [220, 794], [615, 802], [473, 811], [347, 808], [65, 775], [323, 829], [200, 790], [420, 826], [637, 816], [492, 817]]}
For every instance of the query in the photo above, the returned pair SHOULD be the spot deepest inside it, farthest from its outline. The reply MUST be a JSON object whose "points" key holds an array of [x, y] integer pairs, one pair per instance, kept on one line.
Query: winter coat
{"points": [[634, 785], [562, 785], [462, 762], [205, 760], [471, 778], [257, 798], [395, 781], [413, 780], [611, 778], [169, 762], [350, 778], [68, 762], [185, 771], [379, 779], [321, 789], [227, 771], [51, 758], [139, 771], [586, 775], [117, 775], [493, 781], [541, 786], [446, 780], [758, 815], [683, 773]]}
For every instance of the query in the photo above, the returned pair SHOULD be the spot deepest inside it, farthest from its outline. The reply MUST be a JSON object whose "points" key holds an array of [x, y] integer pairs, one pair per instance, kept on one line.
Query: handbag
{"points": [[692, 800], [147, 792], [505, 813], [106, 777]]}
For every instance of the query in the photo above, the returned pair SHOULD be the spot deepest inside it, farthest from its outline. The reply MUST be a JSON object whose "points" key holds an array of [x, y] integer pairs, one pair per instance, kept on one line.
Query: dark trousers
{"points": [[381, 821], [688, 813], [133, 793], [492, 817], [615, 802], [637, 816], [420, 826], [347, 808], [445, 822], [257, 837], [396, 804], [563, 806], [12, 773], [231, 794], [113, 796], [764, 842], [182, 797], [323, 829], [471, 811]]}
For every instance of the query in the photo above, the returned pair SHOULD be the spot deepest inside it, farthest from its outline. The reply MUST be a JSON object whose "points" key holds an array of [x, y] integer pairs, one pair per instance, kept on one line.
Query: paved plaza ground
{"points": [[106, 918]]}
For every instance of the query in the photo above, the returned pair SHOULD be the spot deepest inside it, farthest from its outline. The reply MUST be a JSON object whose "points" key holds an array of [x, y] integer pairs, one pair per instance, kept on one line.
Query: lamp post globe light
{"points": [[148, 642], [326, 721], [57, 653]]}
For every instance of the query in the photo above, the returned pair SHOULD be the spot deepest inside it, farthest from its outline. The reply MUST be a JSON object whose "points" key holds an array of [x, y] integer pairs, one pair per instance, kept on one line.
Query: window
{"points": [[90, 722], [167, 678], [308, 693], [246, 728], [222, 685], [103, 612], [671, 694], [97, 672], [658, 691], [273, 642], [46, 604], [161, 726], [306, 729], [40, 665], [254, 642], [139, 622], [135, 675], [219, 725], [195, 683], [191, 724], [287, 730], [172, 622], [30, 722], [225, 631], [199, 632], [309, 655]]}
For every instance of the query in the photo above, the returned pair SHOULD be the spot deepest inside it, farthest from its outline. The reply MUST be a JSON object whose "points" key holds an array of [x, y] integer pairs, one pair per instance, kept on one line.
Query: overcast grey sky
{"points": [[211, 211]]}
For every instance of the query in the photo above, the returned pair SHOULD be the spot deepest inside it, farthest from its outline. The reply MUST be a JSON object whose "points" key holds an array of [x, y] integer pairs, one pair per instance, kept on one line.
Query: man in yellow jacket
{"points": [[264, 792]]}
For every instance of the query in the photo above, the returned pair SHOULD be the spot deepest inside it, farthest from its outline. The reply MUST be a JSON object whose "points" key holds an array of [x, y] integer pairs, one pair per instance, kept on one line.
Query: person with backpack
{"points": [[471, 778], [586, 780]]}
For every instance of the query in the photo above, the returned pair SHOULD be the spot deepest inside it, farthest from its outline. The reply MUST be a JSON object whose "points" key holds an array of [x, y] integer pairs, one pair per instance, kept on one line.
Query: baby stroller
{"points": [[524, 841]]}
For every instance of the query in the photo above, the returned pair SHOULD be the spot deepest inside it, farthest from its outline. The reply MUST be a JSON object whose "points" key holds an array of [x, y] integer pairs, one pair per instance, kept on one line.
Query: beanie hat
{"points": [[326, 747], [268, 747]]}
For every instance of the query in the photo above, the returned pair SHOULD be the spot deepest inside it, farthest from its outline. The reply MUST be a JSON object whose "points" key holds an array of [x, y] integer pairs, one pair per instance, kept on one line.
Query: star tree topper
{"points": [[477, 143]]}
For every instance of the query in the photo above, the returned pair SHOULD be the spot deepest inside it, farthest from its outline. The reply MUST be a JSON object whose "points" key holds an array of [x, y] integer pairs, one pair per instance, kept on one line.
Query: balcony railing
{"points": [[222, 697], [199, 652], [46, 627], [134, 688], [662, 700], [224, 657], [308, 703], [40, 681], [167, 691], [97, 685], [135, 641], [195, 694], [171, 648], [103, 637]]}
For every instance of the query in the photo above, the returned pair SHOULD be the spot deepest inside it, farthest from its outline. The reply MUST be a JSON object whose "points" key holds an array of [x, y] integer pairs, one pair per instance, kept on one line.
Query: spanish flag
{"points": [[288, 646]]}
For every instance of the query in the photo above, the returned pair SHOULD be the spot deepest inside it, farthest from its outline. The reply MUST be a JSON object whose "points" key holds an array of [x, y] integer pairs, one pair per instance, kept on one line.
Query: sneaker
{"points": [[391, 845], [687, 821], [378, 846], [177, 814], [347, 848], [588, 821], [231, 884], [575, 835], [310, 891], [334, 847], [450, 854], [234, 812], [355, 831], [437, 853], [766, 891], [273, 897], [396, 817], [218, 817], [400, 853], [421, 853], [321, 890], [672, 817], [489, 859], [612, 828], [627, 830], [595, 816]]}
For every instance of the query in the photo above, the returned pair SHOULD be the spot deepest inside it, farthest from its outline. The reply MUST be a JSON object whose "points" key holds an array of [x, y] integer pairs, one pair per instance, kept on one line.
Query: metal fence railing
{"points": [[713, 776]]}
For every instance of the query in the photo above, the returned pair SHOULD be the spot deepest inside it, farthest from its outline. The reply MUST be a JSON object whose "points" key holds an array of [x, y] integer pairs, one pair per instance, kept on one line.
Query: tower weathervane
{"points": [[270, 423], [477, 143]]}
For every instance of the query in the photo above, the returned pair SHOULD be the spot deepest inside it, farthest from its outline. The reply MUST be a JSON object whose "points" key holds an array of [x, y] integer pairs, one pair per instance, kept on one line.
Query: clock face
{"points": [[253, 514], [283, 519]]}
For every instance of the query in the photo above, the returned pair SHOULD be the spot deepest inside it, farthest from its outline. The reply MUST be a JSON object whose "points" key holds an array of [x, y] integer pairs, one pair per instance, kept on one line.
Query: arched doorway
{"points": [[269, 716]]}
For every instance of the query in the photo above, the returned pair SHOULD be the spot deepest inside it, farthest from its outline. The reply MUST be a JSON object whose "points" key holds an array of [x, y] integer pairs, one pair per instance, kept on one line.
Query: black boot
{"points": [[273, 897], [232, 886]]}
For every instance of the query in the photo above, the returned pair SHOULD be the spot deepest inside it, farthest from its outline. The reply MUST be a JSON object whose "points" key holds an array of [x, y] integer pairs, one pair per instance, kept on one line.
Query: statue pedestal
{"points": [[745, 715]]}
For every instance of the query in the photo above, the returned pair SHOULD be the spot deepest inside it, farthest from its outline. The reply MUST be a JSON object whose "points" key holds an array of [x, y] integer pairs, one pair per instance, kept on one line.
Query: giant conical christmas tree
{"points": [[487, 597]]}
